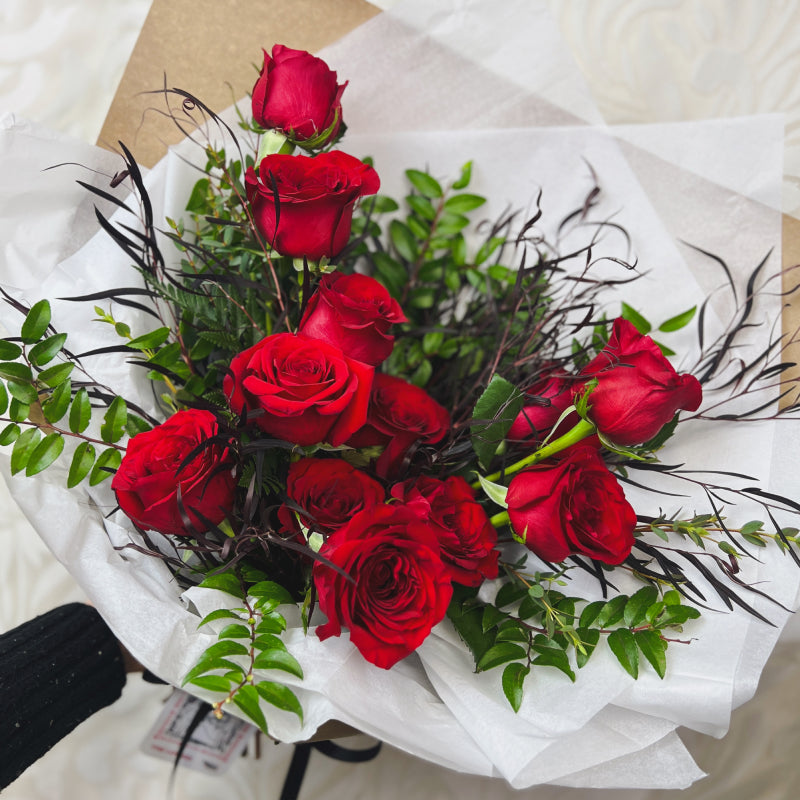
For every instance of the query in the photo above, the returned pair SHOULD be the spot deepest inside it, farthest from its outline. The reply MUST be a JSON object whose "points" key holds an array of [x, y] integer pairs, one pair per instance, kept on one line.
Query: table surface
{"points": [[645, 61]]}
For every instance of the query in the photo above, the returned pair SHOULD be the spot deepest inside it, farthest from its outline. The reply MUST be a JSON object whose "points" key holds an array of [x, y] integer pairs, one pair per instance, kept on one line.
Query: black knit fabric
{"points": [[55, 671]]}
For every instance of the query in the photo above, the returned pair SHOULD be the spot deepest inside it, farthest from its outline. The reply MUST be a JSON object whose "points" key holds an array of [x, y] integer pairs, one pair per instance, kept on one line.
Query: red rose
{"points": [[572, 506], [308, 390], [151, 475], [354, 312], [399, 415], [552, 396], [298, 94], [315, 198], [466, 536], [638, 390], [330, 491], [400, 587]]}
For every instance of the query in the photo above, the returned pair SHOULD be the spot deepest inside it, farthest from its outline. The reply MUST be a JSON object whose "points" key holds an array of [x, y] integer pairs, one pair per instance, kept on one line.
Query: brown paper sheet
{"points": [[197, 45]]}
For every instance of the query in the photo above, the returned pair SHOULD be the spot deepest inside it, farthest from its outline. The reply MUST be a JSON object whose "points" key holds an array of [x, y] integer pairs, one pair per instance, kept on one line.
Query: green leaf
{"points": [[465, 177], [491, 617], [80, 414], [494, 413], [403, 240], [467, 620], [654, 649], [636, 607], [220, 613], [55, 375], [36, 322], [280, 696], [381, 204], [269, 590], [235, 631], [268, 642], [513, 678], [589, 639], [636, 319], [106, 464], [392, 274], [496, 492], [210, 663], [82, 461], [23, 448], [47, 349], [227, 648], [509, 593], [500, 654], [44, 454], [113, 427], [462, 203], [421, 206], [424, 183], [679, 321], [9, 350], [512, 633], [225, 582], [197, 202], [279, 659], [748, 537], [150, 341], [3, 398], [554, 657], [23, 392], [247, 699], [9, 434], [12, 371], [623, 646], [213, 683], [751, 527], [135, 425], [18, 411], [57, 404], [612, 611], [271, 623]]}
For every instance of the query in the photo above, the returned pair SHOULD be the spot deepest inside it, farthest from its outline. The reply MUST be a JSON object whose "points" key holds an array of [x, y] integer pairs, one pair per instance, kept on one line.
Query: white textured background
{"points": [[645, 61]]}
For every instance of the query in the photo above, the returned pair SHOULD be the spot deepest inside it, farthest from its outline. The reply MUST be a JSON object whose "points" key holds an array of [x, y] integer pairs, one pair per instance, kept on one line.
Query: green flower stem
{"points": [[498, 520], [582, 429]]}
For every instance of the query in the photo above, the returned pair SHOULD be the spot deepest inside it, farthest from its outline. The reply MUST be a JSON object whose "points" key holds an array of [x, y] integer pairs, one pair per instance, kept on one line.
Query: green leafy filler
{"points": [[531, 623], [46, 396], [250, 640]]}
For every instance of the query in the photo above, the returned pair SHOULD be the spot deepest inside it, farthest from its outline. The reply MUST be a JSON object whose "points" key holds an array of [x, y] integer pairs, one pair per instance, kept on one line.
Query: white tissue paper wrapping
{"points": [[605, 730]]}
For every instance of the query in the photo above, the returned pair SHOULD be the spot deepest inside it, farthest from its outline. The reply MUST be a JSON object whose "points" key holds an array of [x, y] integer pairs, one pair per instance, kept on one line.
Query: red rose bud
{"points": [[302, 390], [638, 390], [399, 415], [330, 493], [315, 196], [399, 587], [572, 506], [298, 94], [466, 536], [151, 473], [355, 313]]}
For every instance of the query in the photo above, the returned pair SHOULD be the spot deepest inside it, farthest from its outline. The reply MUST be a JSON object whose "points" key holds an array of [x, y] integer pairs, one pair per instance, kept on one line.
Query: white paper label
{"points": [[214, 743]]}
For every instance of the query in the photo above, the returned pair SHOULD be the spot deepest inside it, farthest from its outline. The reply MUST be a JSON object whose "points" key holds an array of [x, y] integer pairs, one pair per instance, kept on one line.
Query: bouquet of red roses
{"points": [[379, 419]]}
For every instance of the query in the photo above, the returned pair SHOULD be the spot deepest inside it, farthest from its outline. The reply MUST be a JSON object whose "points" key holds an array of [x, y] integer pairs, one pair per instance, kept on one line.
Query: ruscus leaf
{"points": [[623, 646], [654, 649], [44, 454], [36, 322], [424, 183], [82, 461], [107, 462], [500, 654], [513, 680], [280, 696], [247, 699], [279, 659]]}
